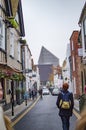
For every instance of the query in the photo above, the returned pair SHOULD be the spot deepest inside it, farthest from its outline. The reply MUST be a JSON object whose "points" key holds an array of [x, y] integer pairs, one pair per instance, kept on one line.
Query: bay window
{"points": [[11, 44], [18, 51], [2, 34]]}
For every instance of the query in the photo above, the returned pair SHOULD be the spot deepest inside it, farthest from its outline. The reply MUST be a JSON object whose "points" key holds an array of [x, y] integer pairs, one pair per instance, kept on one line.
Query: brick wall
{"points": [[76, 60]]}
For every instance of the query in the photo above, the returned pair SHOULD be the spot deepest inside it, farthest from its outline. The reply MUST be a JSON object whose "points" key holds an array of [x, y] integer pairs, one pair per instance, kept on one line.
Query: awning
{"points": [[14, 4]]}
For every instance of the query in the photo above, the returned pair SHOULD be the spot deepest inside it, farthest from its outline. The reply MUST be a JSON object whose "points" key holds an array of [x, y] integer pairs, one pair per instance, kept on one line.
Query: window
{"points": [[84, 26], [19, 51], [2, 34], [11, 44], [23, 58], [72, 46], [17, 17], [73, 64], [74, 84]]}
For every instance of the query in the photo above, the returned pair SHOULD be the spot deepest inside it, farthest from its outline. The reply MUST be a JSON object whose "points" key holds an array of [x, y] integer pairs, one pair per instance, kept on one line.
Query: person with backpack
{"points": [[65, 103]]}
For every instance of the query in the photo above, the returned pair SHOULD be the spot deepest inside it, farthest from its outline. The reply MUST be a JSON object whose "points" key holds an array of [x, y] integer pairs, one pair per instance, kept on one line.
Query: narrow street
{"points": [[44, 116], [42, 46]]}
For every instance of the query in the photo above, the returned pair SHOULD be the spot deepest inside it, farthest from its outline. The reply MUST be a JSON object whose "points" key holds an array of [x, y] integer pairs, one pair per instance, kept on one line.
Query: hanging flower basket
{"points": [[15, 76], [23, 41], [12, 76], [12, 22], [18, 77], [2, 75]]}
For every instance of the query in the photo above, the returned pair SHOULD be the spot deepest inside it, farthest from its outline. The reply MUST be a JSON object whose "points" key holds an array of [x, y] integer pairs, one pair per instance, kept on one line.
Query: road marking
{"points": [[76, 114], [22, 115]]}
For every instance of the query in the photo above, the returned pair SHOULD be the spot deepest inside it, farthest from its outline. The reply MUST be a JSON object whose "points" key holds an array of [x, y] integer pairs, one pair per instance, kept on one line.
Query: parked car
{"points": [[45, 91], [44, 87], [55, 91]]}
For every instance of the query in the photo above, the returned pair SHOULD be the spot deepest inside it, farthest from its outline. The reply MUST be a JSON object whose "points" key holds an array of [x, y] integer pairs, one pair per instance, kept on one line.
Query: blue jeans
{"points": [[65, 122]]}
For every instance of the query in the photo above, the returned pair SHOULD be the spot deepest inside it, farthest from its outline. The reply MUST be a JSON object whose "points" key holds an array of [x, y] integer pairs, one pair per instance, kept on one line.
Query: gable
{"points": [[46, 57]]}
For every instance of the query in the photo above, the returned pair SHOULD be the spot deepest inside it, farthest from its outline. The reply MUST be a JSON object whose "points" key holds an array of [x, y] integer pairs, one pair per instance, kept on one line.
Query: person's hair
{"points": [[65, 86], [8, 123], [81, 123]]}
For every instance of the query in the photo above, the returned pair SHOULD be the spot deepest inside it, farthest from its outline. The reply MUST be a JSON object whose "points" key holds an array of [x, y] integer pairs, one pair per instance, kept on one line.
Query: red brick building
{"points": [[75, 63]]}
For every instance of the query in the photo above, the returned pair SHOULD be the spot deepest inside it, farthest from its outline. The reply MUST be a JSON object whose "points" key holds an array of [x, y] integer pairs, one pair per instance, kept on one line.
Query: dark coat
{"points": [[65, 112]]}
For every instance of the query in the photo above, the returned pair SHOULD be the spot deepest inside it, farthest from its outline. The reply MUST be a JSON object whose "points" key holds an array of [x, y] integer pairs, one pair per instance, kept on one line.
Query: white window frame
{"points": [[2, 34], [11, 44], [17, 17], [72, 46], [74, 85], [19, 58], [73, 64]]}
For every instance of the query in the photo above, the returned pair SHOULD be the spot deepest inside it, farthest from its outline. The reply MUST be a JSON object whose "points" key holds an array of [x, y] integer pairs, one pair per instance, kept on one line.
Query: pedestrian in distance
{"points": [[65, 103], [5, 122], [30, 95], [33, 93], [40, 92], [81, 122], [26, 97]]}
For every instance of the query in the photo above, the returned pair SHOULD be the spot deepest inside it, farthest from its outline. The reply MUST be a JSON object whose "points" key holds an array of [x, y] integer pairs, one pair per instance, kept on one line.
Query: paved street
{"points": [[42, 49], [21, 108], [44, 116]]}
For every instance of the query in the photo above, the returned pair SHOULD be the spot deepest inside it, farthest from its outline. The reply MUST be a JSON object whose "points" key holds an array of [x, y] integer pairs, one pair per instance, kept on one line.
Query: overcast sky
{"points": [[50, 23]]}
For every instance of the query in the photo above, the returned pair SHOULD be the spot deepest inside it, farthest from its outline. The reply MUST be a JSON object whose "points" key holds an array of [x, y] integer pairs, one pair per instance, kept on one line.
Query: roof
{"points": [[46, 57], [82, 13]]}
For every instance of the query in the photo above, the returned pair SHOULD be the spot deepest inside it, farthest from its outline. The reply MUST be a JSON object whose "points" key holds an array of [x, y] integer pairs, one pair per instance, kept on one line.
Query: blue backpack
{"points": [[65, 101]]}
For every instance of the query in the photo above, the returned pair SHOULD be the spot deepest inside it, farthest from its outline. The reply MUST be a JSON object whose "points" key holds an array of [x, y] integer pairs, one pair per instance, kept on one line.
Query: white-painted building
{"points": [[66, 69], [36, 77], [27, 65]]}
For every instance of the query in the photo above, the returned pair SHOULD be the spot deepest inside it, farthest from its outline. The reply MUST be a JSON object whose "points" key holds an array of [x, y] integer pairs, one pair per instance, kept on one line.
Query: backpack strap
{"points": [[62, 96]]}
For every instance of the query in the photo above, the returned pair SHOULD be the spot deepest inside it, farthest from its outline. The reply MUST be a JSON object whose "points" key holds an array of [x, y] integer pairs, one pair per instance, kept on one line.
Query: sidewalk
{"points": [[19, 109]]}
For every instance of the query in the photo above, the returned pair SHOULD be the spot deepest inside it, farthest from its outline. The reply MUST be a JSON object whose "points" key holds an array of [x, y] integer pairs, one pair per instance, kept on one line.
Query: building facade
{"points": [[82, 39], [75, 63], [11, 29]]}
